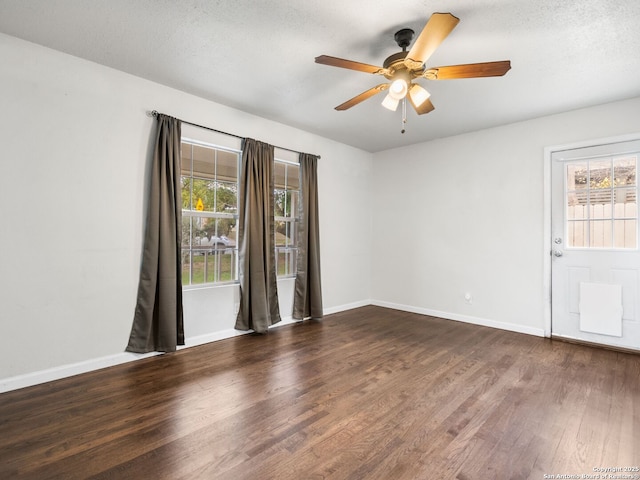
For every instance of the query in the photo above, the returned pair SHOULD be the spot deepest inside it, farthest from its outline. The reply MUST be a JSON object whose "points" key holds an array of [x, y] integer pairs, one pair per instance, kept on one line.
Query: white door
{"points": [[595, 267]]}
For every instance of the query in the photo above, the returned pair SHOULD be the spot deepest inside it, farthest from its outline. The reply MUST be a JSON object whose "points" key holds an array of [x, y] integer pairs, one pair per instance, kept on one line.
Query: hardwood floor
{"points": [[370, 393]]}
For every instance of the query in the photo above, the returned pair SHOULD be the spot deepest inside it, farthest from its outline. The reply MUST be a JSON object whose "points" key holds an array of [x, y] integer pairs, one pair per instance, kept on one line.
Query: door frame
{"points": [[547, 231]]}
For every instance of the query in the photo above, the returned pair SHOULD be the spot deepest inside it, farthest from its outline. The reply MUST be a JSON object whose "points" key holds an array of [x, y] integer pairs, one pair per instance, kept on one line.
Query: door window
{"points": [[601, 202]]}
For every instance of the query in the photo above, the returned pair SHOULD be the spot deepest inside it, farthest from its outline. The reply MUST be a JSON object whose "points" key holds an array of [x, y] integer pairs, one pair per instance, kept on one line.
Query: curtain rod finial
{"points": [[152, 113]]}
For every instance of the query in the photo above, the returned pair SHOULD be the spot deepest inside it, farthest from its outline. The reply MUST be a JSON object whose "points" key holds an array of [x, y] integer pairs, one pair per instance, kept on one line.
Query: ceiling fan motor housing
{"points": [[403, 38], [395, 62]]}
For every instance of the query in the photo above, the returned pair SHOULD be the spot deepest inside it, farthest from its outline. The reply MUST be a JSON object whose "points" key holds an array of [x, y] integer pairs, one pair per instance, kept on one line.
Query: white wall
{"points": [[466, 214], [75, 156]]}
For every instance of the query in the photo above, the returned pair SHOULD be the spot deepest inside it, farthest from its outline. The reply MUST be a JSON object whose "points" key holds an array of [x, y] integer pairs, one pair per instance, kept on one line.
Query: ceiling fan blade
{"points": [[363, 96], [351, 65], [425, 107], [470, 70], [434, 32]]}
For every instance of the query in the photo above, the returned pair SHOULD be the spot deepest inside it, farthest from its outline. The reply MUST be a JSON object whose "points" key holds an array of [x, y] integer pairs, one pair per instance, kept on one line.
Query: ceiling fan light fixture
{"points": [[399, 88], [418, 94], [390, 102]]}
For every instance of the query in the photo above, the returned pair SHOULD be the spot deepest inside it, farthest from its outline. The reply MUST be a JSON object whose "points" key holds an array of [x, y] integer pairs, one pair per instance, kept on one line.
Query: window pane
{"points": [[600, 234], [293, 177], [624, 195], [576, 175], [286, 261], [186, 192], [203, 195], [577, 184], [225, 232], [223, 266], [186, 267], [579, 197], [226, 197], [186, 232], [204, 165], [214, 233], [577, 212], [281, 262], [577, 234], [199, 232], [281, 233], [600, 174], [624, 208], [198, 262], [624, 171], [286, 203], [208, 266], [185, 161], [286, 175], [279, 174], [292, 204], [280, 202], [625, 233], [227, 168]]}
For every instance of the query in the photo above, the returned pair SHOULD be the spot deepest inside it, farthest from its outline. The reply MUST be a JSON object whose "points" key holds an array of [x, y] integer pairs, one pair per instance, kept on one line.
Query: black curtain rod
{"points": [[155, 113]]}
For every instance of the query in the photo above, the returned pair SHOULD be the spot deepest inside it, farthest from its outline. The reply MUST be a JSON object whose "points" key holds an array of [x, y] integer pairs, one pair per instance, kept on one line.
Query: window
{"points": [[209, 179], [287, 197], [601, 203]]}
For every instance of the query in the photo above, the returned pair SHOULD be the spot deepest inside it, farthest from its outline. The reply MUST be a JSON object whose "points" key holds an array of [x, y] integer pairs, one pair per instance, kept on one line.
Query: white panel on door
{"points": [[601, 308]]}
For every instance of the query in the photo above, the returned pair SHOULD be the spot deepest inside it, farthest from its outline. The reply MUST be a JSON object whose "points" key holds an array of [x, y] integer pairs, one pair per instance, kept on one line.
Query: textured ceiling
{"points": [[259, 56]]}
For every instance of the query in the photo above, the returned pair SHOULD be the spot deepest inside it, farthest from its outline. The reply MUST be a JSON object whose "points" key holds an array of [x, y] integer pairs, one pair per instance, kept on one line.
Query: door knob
{"points": [[557, 253]]}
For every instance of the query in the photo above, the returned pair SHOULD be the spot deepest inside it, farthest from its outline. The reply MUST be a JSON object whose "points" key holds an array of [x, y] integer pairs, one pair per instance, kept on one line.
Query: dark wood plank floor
{"points": [[367, 394]]}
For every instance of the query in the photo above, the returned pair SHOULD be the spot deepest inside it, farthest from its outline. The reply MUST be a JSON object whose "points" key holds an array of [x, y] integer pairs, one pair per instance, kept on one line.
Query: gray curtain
{"points": [[257, 263], [158, 322], [307, 300]]}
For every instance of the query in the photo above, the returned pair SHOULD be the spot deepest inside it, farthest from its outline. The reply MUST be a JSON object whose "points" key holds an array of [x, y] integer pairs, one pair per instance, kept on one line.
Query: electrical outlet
{"points": [[468, 299]]}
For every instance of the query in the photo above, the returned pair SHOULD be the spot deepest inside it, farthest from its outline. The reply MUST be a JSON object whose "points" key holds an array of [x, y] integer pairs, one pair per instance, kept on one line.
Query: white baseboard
{"points": [[512, 327], [345, 307]]}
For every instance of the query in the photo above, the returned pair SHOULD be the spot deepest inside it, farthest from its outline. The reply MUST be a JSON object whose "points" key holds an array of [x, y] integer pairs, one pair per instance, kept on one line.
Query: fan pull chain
{"points": [[404, 114]]}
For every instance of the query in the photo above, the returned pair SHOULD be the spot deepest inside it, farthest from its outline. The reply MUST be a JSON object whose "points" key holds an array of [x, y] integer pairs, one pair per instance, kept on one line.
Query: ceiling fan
{"points": [[404, 67]]}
